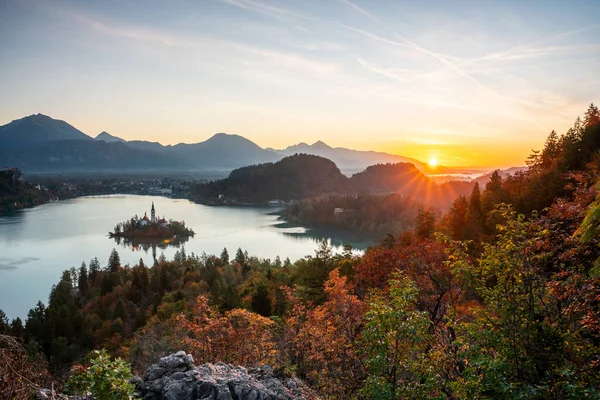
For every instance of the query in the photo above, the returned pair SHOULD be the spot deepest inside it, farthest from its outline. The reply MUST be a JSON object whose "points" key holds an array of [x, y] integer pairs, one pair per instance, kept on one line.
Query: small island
{"points": [[151, 229]]}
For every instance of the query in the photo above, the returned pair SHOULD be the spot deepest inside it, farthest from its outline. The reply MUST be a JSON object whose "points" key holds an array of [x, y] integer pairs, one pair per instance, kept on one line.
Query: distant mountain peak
{"points": [[320, 145], [108, 138], [35, 130], [223, 135]]}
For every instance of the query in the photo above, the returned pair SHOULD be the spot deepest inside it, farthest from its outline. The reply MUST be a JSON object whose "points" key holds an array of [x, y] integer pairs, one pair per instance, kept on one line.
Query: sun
{"points": [[433, 162]]}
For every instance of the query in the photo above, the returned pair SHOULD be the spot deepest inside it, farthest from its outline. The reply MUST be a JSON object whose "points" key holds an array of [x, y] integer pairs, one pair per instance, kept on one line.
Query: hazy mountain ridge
{"points": [[36, 136], [36, 130], [108, 138], [348, 159]]}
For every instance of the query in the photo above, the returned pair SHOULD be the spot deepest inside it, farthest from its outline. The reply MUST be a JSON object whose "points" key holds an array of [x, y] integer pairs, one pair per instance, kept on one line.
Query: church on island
{"points": [[151, 228], [163, 223]]}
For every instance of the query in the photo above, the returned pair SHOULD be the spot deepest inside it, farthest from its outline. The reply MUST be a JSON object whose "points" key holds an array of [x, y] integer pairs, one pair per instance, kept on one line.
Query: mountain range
{"points": [[39, 143], [346, 159]]}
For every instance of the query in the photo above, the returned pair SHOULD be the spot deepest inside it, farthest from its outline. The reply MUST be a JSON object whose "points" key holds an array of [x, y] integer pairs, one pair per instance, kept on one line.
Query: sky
{"points": [[469, 83]]}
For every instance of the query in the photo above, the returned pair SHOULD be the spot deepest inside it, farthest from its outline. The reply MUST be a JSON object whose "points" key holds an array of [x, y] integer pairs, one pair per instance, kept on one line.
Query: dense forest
{"points": [[385, 199], [294, 177], [498, 298], [375, 215], [15, 193]]}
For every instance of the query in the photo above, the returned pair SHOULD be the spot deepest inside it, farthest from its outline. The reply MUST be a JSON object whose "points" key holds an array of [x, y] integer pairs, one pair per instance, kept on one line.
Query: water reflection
{"points": [[147, 244], [335, 237], [61, 235]]}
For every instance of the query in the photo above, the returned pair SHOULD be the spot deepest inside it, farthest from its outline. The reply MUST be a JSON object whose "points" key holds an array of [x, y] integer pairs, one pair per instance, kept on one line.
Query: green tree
{"points": [[425, 223], [4, 326], [114, 261], [312, 272], [261, 302], [474, 219], [104, 378], [94, 269], [521, 343], [16, 328], [457, 217], [225, 256], [82, 282], [394, 342], [240, 258]]}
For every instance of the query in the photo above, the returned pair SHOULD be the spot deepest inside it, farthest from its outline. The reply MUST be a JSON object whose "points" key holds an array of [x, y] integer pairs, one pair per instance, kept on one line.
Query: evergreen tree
{"points": [[458, 217], [493, 194], [425, 224], [35, 325], [120, 311], [16, 328], [109, 282], [474, 219], [94, 269], [82, 282], [592, 116], [239, 257], [4, 327], [261, 303], [114, 261], [225, 256]]}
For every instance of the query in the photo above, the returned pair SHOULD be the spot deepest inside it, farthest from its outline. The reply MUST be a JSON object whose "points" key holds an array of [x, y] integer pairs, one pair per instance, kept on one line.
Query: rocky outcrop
{"points": [[49, 394], [176, 378]]}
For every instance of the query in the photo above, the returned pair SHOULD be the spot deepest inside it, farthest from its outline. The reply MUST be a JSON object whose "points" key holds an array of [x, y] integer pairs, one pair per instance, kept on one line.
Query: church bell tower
{"points": [[153, 214]]}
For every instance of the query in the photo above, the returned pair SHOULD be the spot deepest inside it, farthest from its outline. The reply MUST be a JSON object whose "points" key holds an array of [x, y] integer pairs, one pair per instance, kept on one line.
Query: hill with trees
{"points": [[16, 194], [295, 177]]}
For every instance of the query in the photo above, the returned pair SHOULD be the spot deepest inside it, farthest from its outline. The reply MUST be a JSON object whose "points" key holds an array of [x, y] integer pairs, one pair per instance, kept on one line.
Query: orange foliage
{"points": [[376, 267], [236, 337], [322, 341]]}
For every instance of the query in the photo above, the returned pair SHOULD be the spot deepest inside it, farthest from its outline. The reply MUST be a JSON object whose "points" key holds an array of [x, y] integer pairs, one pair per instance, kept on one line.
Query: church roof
{"points": [[162, 221], [146, 217]]}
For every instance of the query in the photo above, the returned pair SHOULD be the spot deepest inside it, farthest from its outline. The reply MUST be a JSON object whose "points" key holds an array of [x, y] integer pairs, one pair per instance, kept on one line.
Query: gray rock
{"points": [[44, 394], [176, 378]]}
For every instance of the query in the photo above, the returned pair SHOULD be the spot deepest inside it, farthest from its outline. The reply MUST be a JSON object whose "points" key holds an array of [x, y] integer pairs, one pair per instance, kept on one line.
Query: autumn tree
{"points": [[19, 373], [323, 341], [235, 337]]}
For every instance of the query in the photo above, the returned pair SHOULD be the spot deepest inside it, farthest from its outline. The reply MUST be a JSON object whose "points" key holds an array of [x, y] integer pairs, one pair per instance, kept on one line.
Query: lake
{"points": [[37, 244]]}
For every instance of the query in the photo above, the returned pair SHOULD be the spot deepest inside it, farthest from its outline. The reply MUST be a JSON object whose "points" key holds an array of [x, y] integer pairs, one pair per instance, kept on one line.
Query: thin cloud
{"points": [[360, 10], [277, 58]]}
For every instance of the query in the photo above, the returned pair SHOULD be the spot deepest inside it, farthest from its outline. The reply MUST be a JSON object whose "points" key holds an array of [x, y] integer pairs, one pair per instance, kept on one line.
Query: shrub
{"points": [[104, 378]]}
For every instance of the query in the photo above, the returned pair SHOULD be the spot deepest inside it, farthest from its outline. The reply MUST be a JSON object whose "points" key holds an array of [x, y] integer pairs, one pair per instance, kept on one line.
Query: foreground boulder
{"points": [[49, 394], [176, 378]]}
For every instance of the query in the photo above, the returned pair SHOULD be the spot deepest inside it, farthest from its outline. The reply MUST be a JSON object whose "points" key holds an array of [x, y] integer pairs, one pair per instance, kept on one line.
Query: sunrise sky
{"points": [[466, 82]]}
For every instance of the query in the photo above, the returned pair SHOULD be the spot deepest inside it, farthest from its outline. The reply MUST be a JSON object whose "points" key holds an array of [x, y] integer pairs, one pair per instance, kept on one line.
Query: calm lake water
{"points": [[37, 244]]}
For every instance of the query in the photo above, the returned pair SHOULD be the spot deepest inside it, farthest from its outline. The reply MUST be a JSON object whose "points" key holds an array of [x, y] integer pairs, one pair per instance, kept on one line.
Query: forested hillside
{"points": [[500, 298], [15, 193], [295, 177]]}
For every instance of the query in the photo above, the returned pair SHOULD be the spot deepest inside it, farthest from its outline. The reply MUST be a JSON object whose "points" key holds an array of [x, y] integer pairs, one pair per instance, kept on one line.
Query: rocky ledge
{"points": [[176, 378]]}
